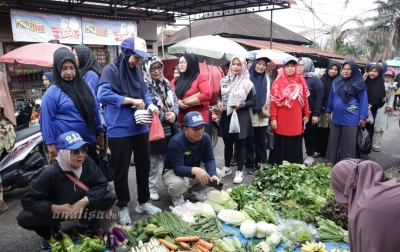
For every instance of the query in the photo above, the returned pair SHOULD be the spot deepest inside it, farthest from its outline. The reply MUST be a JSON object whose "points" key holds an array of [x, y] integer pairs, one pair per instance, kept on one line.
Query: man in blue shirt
{"points": [[185, 152]]}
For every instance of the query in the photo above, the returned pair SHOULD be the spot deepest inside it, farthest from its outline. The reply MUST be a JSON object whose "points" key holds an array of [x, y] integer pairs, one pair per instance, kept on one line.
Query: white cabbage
{"points": [[248, 229]]}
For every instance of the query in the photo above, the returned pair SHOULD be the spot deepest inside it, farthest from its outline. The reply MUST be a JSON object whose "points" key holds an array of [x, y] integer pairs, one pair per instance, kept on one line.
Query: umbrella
{"points": [[215, 50], [276, 57], [39, 55]]}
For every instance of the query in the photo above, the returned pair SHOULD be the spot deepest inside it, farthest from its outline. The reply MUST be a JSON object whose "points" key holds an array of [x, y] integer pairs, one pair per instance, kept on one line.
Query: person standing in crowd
{"points": [[192, 89], [348, 101], [47, 79], [396, 101], [250, 59], [69, 104], [225, 68], [88, 65], [256, 151], [176, 75], [164, 98], [316, 88], [289, 113], [236, 93], [7, 133], [372, 200], [55, 197], [183, 171], [323, 129], [121, 86], [376, 99], [381, 120]]}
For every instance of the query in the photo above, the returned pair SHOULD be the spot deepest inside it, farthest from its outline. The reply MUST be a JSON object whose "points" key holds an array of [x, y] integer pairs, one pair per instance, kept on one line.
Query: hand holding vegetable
{"points": [[201, 175], [78, 207]]}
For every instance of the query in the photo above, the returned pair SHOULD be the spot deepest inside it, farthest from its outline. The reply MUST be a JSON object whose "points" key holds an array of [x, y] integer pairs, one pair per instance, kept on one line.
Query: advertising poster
{"points": [[34, 26], [107, 31]]}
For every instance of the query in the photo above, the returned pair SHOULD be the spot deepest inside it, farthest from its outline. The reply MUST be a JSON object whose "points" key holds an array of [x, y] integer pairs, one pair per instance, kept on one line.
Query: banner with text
{"points": [[34, 26], [107, 31]]}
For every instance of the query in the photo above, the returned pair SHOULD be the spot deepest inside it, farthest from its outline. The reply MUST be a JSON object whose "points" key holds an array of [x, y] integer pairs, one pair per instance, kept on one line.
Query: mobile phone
{"points": [[215, 185]]}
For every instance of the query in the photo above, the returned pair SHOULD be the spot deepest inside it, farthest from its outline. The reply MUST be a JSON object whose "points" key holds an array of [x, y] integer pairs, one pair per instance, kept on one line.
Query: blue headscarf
{"points": [[384, 68], [347, 88], [260, 85], [124, 80], [49, 76]]}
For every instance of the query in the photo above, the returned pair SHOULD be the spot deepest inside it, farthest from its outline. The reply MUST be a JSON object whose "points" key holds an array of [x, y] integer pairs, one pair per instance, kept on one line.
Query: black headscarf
{"points": [[124, 80], [87, 60], [184, 81], [77, 89], [347, 88], [327, 81], [376, 88], [260, 85]]}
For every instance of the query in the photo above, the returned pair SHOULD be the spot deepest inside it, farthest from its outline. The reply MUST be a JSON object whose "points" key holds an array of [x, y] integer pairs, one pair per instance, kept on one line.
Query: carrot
{"points": [[168, 244], [203, 249], [205, 244], [187, 239], [184, 245]]}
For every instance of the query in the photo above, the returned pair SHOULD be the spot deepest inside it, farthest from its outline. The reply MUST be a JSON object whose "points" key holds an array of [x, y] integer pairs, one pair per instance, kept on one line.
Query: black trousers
{"points": [[310, 137], [322, 136], [121, 151], [228, 151], [43, 226], [286, 148], [370, 128], [256, 150]]}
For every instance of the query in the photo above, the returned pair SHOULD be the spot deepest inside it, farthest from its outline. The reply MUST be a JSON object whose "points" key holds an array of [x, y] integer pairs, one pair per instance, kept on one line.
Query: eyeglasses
{"points": [[300, 65], [81, 151], [182, 62], [153, 69]]}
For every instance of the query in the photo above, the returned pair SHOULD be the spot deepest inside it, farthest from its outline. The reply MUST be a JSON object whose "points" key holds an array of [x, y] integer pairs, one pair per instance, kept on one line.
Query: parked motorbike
{"points": [[23, 115]]}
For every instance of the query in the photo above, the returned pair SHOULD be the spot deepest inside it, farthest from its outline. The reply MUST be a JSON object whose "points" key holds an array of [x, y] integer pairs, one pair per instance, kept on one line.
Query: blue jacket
{"points": [[92, 79], [182, 155], [120, 119], [59, 115]]}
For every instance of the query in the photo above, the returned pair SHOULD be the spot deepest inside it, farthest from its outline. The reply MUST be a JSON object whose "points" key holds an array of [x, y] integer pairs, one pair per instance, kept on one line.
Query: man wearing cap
{"points": [[56, 196], [186, 151]]}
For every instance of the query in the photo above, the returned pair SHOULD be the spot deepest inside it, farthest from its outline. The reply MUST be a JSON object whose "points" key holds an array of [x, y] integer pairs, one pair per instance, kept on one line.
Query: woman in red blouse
{"points": [[289, 113], [192, 89]]}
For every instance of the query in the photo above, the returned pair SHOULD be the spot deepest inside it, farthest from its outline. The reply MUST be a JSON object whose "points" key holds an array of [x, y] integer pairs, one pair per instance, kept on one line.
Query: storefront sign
{"points": [[41, 27], [107, 31]]}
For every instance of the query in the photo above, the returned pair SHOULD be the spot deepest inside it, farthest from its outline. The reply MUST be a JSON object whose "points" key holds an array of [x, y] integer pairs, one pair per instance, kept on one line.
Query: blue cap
{"points": [[288, 60], [251, 56], [193, 119], [137, 45], [70, 140]]}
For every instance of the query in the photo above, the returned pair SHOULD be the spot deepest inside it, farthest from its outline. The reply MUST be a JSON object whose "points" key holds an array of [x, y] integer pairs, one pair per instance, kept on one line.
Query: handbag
{"points": [[363, 139], [270, 138], [143, 116]]}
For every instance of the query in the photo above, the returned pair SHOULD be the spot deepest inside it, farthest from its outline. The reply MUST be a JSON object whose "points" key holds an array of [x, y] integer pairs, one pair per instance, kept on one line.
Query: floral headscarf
{"points": [[309, 69]]}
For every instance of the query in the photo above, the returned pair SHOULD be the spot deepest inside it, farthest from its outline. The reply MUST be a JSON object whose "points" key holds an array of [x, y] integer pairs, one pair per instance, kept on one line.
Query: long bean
{"points": [[174, 224]]}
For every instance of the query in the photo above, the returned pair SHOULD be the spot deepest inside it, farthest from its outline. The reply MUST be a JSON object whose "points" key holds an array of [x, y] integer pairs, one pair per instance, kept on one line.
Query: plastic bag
{"points": [[295, 232], [234, 126], [156, 129], [187, 212], [270, 138], [363, 139], [370, 118]]}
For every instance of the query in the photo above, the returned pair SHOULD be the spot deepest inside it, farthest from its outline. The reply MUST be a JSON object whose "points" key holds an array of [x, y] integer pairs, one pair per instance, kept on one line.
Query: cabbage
{"points": [[262, 247], [231, 204], [217, 207], [231, 217], [206, 209], [265, 229], [274, 239], [220, 197], [248, 229]]}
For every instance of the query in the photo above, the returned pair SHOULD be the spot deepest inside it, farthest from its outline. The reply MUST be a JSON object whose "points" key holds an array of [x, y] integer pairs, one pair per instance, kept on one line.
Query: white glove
{"points": [[152, 108]]}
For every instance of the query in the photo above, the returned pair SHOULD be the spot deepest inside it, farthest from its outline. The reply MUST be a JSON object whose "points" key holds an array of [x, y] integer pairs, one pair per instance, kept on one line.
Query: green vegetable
{"points": [[237, 244], [68, 245], [329, 231], [139, 223], [143, 237], [246, 247], [303, 236], [153, 220], [149, 229], [217, 207], [96, 247], [122, 248], [248, 228], [169, 239], [252, 212], [176, 226], [266, 211], [335, 212], [225, 244], [160, 232], [222, 198], [231, 217]]}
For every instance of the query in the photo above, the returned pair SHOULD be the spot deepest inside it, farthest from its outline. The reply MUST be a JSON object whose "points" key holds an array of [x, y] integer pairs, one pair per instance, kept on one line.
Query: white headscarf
{"points": [[64, 160]]}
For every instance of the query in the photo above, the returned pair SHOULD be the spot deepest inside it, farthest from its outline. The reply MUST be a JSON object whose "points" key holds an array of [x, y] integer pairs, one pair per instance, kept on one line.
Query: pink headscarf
{"points": [[374, 201]]}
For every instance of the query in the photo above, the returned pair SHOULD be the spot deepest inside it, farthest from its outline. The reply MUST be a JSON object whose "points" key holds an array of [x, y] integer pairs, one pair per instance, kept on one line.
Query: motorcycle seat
{"points": [[25, 133]]}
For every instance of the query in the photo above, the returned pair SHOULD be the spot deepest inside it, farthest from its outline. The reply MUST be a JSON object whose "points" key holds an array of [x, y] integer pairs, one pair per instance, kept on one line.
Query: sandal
{"points": [[331, 164], [376, 149], [316, 154]]}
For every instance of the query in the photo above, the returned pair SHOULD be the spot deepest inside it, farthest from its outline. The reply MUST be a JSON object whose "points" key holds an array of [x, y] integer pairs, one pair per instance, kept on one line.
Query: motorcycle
{"points": [[23, 115]]}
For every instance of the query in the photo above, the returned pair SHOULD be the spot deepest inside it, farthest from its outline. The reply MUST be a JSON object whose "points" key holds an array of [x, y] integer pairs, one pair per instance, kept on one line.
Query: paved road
{"points": [[14, 238]]}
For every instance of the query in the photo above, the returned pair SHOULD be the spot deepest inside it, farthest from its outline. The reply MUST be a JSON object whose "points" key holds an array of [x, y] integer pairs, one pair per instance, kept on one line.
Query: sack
{"points": [[175, 128], [156, 129], [143, 116], [370, 118], [234, 126], [363, 139], [105, 165], [270, 138]]}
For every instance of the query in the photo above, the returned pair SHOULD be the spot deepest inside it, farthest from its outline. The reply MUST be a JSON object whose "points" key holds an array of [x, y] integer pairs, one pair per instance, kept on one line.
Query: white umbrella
{"points": [[277, 57]]}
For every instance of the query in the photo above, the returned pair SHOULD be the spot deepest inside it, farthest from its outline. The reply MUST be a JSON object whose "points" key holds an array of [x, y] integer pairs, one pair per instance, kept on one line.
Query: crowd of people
{"points": [[86, 109]]}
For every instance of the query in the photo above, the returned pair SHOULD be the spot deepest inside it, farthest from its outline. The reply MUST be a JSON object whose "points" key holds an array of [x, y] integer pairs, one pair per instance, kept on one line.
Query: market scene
{"points": [[205, 126]]}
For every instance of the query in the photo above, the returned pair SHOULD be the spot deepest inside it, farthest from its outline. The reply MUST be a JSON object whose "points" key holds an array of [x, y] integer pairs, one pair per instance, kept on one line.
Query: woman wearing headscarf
{"points": [[289, 113], [176, 74], [256, 151], [236, 93], [316, 88], [47, 79], [56, 196], [192, 90], [69, 104], [372, 201], [88, 65], [322, 133], [120, 88], [348, 102], [7, 133], [164, 98], [376, 98]]}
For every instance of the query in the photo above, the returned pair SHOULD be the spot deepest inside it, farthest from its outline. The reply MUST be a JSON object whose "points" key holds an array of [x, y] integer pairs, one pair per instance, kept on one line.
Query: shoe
{"points": [[45, 244], [238, 177], [154, 196], [124, 218], [178, 201], [3, 206], [249, 170], [147, 208], [331, 164], [376, 149], [110, 186], [316, 154], [309, 161], [233, 162], [226, 171], [197, 195]]}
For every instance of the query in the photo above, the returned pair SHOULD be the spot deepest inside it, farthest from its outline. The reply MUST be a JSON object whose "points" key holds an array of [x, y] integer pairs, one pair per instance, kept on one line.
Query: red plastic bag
{"points": [[156, 129]]}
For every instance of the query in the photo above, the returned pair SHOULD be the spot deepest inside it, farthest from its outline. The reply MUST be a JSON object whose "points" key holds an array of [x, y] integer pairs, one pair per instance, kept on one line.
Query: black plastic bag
{"points": [[105, 165], [175, 128], [270, 138], [363, 139]]}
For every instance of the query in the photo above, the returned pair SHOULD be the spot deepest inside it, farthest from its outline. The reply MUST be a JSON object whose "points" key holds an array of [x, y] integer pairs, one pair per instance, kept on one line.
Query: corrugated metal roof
{"points": [[249, 26]]}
